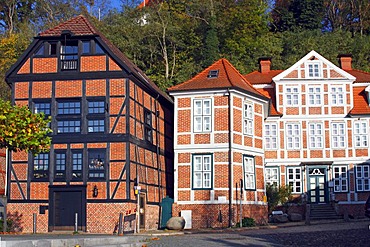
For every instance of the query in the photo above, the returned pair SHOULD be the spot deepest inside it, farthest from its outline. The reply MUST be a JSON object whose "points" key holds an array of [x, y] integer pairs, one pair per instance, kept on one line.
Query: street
{"points": [[330, 234]]}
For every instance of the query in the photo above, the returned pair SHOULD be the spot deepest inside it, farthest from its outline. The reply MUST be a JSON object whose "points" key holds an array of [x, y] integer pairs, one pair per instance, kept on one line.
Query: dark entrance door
{"points": [[65, 202], [66, 205], [142, 210], [317, 185]]}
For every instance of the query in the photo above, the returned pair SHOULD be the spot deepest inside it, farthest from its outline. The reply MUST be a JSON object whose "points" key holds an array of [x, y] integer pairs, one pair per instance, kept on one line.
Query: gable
{"points": [[313, 66]]}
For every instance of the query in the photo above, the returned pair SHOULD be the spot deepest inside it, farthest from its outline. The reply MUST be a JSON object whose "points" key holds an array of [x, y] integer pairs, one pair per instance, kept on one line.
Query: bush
{"points": [[14, 222], [247, 222], [277, 196]]}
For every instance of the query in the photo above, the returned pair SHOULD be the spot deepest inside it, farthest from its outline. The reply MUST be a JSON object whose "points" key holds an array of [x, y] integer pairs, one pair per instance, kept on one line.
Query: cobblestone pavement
{"points": [[329, 234]]}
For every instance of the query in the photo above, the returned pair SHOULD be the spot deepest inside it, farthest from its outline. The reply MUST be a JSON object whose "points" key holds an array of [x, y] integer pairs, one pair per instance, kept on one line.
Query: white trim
{"points": [[304, 59]]}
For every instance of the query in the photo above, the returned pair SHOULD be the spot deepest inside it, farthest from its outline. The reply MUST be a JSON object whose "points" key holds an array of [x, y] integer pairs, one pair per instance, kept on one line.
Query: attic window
{"points": [[367, 91], [213, 74]]}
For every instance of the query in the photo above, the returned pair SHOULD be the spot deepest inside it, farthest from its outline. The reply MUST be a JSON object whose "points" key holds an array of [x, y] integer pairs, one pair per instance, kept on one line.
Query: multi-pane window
{"points": [[292, 96], [69, 55], [148, 128], [337, 95], [96, 163], [315, 135], [249, 173], [69, 126], [362, 178], [338, 135], [69, 108], [69, 118], [314, 96], [272, 176], [202, 115], [248, 117], [340, 179], [271, 136], [313, 69], [41, 165], [96, 115], [294, 179], [360, 134], [43, 107], [60, 164], [77, 165], [202, 171], [293, 137]]}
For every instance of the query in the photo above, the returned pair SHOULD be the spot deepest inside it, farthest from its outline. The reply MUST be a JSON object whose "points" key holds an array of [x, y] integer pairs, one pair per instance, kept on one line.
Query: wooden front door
{"points": [[317, 185], [65, 202], [142, 211]]}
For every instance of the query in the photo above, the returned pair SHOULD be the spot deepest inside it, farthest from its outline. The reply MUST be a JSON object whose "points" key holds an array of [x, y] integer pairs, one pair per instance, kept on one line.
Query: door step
{"points": [[323, 212]]}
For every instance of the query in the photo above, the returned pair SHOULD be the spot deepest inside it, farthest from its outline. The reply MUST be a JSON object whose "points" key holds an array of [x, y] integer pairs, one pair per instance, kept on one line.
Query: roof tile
{"points": [[360, 104], [228, 77]]}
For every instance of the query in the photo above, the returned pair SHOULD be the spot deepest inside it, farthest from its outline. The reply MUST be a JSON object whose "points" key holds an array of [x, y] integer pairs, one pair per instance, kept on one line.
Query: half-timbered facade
{"points": [[316, 137], [112, 130], [218, 145]]}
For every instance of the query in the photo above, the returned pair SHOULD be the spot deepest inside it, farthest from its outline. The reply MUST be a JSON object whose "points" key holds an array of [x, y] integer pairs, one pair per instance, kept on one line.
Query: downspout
{"points": [[230, 161], [159, 167]]}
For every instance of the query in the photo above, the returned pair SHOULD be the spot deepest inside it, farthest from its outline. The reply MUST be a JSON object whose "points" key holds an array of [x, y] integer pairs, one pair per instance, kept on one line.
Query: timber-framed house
{"points": [[112, 130]]}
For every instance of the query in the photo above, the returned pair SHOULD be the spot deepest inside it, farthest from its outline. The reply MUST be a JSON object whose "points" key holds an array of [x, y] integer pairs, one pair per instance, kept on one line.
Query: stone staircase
{"points": [[323, 212]]}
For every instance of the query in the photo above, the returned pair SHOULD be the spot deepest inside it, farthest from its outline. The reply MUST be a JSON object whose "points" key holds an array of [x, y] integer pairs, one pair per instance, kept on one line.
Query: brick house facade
{"points": [[218, 142], [316, 137], [112, 128]]}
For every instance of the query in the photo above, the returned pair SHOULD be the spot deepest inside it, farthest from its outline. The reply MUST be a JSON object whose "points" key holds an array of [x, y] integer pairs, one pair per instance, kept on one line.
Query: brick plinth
{"points": [[208, 215]]}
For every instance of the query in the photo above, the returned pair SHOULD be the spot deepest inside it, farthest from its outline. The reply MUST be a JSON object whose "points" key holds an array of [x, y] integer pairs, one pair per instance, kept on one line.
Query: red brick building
{"points": [[111, 126], [218, 142], [316, 137], [2, 171]]}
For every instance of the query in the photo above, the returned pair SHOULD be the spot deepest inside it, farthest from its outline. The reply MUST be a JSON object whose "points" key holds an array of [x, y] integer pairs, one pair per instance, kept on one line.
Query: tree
{"points": [[22, 130]]}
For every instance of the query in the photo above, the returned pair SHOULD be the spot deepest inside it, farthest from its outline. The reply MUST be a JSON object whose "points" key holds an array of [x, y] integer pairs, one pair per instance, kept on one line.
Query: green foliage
{"points": [[277, 196], [13, 222], [22, 130], [247, 222]]}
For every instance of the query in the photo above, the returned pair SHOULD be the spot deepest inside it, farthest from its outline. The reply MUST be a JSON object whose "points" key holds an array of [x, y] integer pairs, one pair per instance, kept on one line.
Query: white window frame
{"points": [[248, 118], [340, 178], [202, 115], [294, 179], [314, 96], [202, 173], [271, 136], [272, 176], [292, 96], [338, 135], [249, 173], [337, 95], [313, 69], [315, 135], [360, 134], [293, 136], [362, 177]]}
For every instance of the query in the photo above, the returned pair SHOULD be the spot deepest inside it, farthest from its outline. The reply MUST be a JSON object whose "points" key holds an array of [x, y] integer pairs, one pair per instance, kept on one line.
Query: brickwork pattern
{"points": [[26, 210], [93, 63], [65, 89], [26, 68], [45, 65], [41, 89], [95, 88]]}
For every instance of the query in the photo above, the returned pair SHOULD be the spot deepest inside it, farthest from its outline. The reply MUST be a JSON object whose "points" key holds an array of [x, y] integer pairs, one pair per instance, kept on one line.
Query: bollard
{"points": [[34, 223], [120, 230], [76, 222]]}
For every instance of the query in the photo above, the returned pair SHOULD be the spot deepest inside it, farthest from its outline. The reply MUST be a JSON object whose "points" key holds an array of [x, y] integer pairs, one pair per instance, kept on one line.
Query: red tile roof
{"points": [[270, 93], [256, 77], [361, 76], [228, 77], [80, 25], [360, 103]]}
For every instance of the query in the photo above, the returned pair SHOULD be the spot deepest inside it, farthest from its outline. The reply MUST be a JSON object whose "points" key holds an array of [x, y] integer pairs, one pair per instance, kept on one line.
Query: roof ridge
{"points": [[362, 71], [196, 76]]}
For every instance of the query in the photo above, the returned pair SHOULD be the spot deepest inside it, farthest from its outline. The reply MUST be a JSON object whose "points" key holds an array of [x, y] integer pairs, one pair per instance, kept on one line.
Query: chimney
{"points": [[265, 64], [345, 61]]}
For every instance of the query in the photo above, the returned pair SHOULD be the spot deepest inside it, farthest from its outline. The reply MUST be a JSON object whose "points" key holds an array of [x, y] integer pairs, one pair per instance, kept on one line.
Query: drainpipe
{"points": [[230, 161]]}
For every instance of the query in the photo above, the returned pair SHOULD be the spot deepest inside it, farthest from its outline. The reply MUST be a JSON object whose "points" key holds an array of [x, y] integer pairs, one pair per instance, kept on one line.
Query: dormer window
{"points": [[213, 74], [367, 90], [313, 69]]}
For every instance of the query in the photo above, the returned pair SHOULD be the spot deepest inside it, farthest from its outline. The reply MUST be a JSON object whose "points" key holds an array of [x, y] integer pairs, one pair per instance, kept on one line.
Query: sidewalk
{"points": [[131, 240]]}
